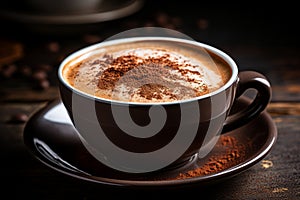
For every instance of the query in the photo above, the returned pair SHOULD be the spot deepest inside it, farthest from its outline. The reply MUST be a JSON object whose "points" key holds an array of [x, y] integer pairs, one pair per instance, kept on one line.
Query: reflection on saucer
{"points": [[58, 115]]}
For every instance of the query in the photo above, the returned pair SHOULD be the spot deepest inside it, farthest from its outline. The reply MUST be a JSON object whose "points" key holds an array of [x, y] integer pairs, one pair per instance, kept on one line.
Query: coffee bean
{"points": [[43, 84], [53, 47], [18, 118], [8, 71], [39, 75]]}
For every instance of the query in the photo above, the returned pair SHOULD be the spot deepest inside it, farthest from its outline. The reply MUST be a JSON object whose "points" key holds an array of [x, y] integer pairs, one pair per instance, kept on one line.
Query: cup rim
{"points": [[80, 53]]}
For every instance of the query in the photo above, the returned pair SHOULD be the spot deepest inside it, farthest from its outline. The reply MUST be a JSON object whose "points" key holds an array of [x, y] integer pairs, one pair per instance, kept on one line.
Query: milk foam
{"points": [[193, 77]]}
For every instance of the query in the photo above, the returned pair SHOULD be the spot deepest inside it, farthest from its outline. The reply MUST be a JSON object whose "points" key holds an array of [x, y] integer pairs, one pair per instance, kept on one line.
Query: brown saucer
{"points": [[53, 140]]}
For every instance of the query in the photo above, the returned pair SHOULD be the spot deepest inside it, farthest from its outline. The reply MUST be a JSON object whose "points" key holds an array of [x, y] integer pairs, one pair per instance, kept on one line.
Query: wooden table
{"points": [[258, 38]]}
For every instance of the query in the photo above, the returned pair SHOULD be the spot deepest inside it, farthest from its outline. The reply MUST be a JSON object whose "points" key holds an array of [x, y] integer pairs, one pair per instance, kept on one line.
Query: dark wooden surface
{"points": [[261, 38]]}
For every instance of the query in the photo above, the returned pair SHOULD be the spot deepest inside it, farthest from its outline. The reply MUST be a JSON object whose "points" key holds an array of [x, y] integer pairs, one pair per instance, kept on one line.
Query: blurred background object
{"points": [[63, 16], [63, 7]]}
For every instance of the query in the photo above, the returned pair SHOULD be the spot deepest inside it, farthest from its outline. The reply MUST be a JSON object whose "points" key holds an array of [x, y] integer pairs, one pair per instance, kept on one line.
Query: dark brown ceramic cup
{"points": [[137, 137]]}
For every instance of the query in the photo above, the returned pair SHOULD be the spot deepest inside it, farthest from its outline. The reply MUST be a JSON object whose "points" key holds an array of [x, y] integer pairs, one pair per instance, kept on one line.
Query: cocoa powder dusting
{"points": [[150, 76], [149, 91], [234, 153]]}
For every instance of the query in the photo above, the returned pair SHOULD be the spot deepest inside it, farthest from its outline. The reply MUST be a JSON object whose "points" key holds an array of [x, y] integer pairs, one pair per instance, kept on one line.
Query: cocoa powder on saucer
{"points": [[233, 154]]}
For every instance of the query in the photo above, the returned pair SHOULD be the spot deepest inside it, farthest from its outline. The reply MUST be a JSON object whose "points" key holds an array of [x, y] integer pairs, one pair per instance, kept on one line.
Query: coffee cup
{"points": [[145, 104]]}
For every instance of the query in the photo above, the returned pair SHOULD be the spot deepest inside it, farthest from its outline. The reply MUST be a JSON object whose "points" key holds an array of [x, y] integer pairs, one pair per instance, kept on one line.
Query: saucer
{"points": [[52, 139]]}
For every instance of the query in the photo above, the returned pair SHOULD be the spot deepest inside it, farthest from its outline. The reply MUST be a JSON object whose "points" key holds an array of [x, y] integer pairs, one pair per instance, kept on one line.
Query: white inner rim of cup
{"points": [[88, 51]]}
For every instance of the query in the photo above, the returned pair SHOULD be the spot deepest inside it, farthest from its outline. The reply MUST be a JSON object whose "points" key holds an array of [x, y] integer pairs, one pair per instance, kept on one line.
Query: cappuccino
{"points": [[148, 71]]}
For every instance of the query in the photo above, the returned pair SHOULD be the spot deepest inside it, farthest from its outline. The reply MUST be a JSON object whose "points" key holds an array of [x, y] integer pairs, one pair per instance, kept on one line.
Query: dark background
{"points": [[257, 36]]}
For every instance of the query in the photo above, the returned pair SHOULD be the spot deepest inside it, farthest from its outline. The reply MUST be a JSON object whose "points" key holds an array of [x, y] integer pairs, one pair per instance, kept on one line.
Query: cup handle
{"points": [[249, 80]]}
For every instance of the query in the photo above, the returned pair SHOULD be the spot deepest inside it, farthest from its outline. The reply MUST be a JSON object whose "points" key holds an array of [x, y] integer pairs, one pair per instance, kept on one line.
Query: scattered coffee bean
{"points": [[39, 75], [202, 24], [8, 71], [18, 118], [53, 47], [43, 84]]}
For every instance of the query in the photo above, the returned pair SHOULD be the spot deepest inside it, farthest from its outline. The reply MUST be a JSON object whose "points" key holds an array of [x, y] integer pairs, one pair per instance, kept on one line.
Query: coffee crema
{"points": [[148, 72]]}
